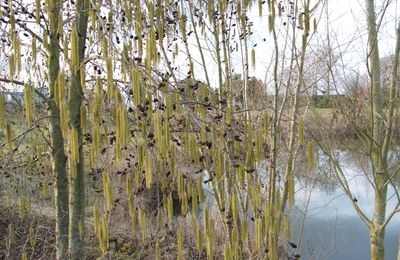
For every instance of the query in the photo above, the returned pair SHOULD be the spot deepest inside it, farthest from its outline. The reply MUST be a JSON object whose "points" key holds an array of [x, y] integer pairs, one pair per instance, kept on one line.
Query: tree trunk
{"points": [[57, 141], [378, 155], [77, 168], [377, 233]]}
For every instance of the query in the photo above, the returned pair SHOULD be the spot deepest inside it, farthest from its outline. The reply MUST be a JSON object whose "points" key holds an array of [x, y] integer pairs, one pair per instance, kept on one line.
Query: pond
{"points": [[332, 228]]}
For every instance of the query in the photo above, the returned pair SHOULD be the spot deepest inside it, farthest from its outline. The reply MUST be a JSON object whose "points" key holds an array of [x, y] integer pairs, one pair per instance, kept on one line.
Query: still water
{"points": [[332, 228]]}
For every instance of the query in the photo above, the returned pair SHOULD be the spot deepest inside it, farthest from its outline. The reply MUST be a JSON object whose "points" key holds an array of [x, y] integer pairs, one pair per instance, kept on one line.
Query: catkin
{"points": [[253, 58], [310, 156], [74, 55], [37, 11], [32, 237], [301, 132], [180, 239], [74, 146], [2, 112], [315, 25], [29, 103], [149, 176]]}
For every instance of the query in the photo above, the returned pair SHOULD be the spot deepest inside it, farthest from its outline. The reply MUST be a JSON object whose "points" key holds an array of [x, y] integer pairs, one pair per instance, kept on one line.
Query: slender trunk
{"points": [[377, 229], [77, 176], [377, 232], [57, 141]]}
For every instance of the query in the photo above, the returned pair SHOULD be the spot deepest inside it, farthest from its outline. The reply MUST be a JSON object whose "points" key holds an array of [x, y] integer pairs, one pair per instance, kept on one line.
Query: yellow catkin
{"points": [[253, 58], [291, 190], [11, 234], [37, 11], [234, 208], [83, 76], [11, 65], [310, 156], [227, 252], [12, 19], [288, 229], [45, 189], [170, 208], [17, 54], [143, 224], [74, 146], [24, 255], [64, 117], [210, 240], [194, 198], [83, 118], [8, 198], [199, 238], [315, 25], [180, 239], [60, 29], [131, 203], [199, 188], [270, 23], [45, 40], [93, 18], [32, 237], [59, 92], [180, 184], [301, 132], [184, 204], [108, 190], [96, 219], [29, 103], [21, 205], [9, 135], [65, 48], [34, 50], [149, 174], [104, 233], [74, 55], [158, 251], [2, 112]]}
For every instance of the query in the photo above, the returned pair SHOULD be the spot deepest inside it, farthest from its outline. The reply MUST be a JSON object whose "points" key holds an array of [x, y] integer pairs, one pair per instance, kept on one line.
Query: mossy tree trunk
{"points": [[77, 171], [59, 158]]}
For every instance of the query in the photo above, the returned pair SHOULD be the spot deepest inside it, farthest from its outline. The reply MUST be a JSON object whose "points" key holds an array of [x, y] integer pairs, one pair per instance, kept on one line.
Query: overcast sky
{"points": [[347, 31]]}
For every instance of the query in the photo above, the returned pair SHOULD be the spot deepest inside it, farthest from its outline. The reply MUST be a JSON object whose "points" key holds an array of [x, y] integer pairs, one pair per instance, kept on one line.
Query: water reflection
{"points": [[332, 228]]}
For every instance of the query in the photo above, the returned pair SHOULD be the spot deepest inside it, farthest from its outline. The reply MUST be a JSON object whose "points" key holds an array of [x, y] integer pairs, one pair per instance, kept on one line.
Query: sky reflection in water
{"points": [[332, 227]]}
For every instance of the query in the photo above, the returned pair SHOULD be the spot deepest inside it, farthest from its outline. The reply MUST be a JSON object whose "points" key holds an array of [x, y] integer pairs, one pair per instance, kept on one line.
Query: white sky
{"points": [[347, 27]]}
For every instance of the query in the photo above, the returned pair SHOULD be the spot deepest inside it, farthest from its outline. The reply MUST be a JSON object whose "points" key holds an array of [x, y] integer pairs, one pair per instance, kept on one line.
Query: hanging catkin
{"points": [[11, 65], [29, 103], [310, 156], [2, 112], [301, 132], [180, 238], [253, 58], [37, 11], [74, 146], [315, 25], [74, 55]]}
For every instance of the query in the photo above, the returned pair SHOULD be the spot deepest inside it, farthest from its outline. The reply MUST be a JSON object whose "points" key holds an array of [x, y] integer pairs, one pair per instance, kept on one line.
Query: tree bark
{"points": [[377, 231], [378, 156], [57, 141], [77, 180]]}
